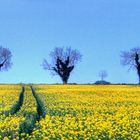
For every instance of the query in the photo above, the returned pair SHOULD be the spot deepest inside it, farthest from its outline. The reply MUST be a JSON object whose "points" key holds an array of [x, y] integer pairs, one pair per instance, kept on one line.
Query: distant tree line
{"points": [[64, 60]]}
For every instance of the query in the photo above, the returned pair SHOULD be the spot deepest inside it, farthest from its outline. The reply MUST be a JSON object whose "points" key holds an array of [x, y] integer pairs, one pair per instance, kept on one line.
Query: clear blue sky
{"points": [[100, 29]]}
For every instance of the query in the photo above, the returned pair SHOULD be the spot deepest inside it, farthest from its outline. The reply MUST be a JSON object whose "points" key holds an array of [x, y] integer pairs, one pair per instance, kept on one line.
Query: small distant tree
{"points": [[63, 62], [132, 59], [5, 58], [103, 74]]}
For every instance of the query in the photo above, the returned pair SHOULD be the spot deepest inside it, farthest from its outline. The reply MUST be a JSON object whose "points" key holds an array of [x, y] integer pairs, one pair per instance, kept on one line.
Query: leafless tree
{"points": [[132, 59], [5, 58], [63, 62], [103, 74]]}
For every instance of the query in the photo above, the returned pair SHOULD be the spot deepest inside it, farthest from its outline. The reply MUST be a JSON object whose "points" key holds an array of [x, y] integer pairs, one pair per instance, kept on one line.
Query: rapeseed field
{"points": [[72, 112]]}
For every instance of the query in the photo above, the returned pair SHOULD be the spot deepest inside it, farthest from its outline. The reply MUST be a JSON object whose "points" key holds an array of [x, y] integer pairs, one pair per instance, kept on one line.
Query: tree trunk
{"points": [[138, 70], [139, 78], [65, 82]]}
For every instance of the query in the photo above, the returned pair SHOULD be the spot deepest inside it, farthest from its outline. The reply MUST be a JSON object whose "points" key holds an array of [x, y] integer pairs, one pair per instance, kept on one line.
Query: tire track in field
{"points": [[16, 107], [40, 105], [29, 113], [31, 118]]}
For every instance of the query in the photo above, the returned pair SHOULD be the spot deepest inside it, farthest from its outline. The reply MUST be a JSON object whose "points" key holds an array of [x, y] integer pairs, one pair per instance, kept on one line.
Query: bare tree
{"points": [[5, 58], [63, 62], [103, 74], [132, 59]]}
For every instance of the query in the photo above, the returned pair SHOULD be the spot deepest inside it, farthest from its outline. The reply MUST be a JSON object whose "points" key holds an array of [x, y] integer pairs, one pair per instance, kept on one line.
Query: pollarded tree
{"points": [[63, 62], [132, 59], [5, 58]]}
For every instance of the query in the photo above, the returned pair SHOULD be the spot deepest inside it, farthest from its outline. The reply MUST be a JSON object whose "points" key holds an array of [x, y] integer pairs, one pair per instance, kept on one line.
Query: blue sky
{"points": [[99, 29]]}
